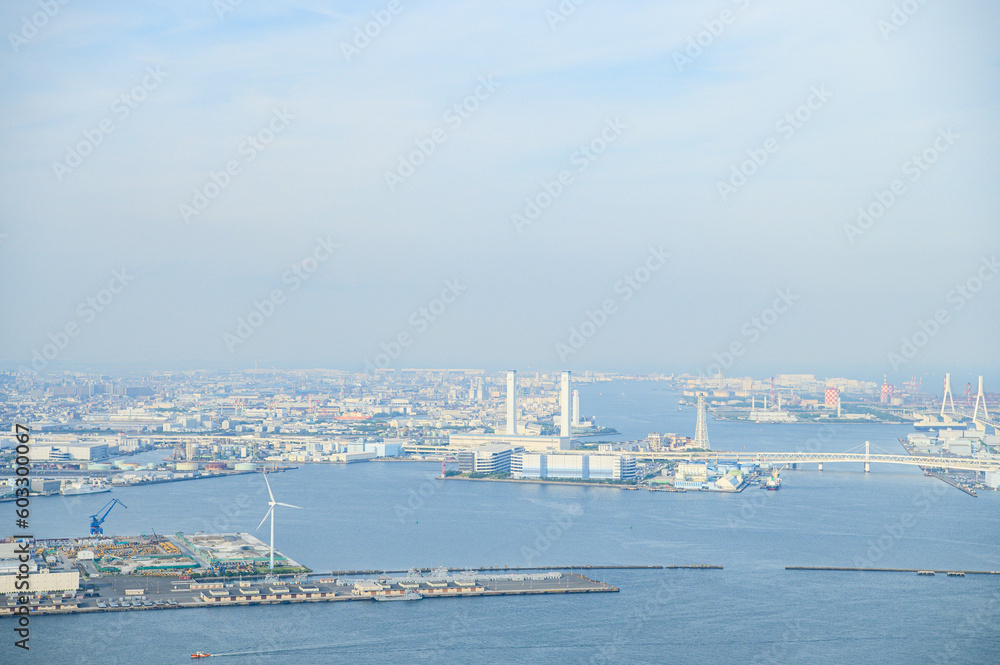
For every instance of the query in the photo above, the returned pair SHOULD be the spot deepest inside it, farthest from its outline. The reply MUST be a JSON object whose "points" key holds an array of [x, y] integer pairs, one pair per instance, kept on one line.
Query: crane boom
{"points": [[97, 519]]}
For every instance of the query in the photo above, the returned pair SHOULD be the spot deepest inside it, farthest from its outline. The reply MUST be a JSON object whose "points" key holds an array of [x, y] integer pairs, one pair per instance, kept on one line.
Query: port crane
{"points": [[98, 518]]}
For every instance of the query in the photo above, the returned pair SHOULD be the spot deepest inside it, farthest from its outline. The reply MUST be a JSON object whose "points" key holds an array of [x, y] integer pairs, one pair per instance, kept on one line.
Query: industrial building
{"points": [[43, 451], [40, 578], [487, 459], [722, 477], [536, 443], [42, 582], [572, 466]]}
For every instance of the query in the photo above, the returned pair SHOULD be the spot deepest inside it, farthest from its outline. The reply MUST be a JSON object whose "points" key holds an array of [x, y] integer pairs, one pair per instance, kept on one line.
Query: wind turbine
{"points": [[270, 511]]}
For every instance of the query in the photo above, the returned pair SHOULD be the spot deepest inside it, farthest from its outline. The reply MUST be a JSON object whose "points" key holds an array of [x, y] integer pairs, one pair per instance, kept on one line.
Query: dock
{"points": [[345, 573], [127, 593], [946, 479], [919, 571]]}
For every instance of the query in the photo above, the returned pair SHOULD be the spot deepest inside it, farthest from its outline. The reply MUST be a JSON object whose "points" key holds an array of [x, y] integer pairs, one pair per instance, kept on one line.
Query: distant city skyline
{"points": [[656, 188]]}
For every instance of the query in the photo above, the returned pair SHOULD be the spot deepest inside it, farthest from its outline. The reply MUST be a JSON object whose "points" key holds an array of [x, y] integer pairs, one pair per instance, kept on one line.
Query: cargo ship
{"points": [[84, 488], [773, 481]]}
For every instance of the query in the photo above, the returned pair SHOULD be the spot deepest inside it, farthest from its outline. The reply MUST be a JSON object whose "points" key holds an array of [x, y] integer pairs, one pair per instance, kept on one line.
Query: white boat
{"points": [[81, 487], [409, 595]]}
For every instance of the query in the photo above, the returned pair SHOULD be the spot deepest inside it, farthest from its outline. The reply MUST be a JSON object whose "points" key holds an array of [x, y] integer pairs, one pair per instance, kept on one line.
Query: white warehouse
{"points": [[572, 466]]}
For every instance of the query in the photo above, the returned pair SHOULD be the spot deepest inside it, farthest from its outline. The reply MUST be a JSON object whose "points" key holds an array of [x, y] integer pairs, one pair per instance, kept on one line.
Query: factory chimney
{"points": [[512, 403], [564, 428]]}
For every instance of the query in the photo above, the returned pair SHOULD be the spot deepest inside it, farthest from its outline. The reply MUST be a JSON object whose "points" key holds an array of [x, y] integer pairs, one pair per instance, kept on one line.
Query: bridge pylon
{"points": [[947, 395], [868, 466], [980, 397]]}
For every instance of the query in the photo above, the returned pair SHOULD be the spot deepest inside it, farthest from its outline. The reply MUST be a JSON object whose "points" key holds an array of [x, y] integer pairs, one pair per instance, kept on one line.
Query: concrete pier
{"points": [[141, 593], [950, 573]]}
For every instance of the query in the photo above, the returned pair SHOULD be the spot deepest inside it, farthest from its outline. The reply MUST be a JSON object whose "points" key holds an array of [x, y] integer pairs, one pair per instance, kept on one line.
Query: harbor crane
{"points": [[97, 519]]}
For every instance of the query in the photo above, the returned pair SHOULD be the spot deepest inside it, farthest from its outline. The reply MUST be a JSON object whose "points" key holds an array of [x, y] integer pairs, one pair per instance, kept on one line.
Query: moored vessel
{"points": [[408, 595], [81, 487]]}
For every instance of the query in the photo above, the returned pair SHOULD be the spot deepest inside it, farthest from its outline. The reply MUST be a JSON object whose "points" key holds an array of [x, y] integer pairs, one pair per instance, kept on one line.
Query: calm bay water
{"points": [[396, 515]]}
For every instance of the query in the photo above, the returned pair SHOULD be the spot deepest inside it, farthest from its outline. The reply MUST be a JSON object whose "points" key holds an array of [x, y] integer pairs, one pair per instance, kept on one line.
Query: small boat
{"points": [[201, 654]]}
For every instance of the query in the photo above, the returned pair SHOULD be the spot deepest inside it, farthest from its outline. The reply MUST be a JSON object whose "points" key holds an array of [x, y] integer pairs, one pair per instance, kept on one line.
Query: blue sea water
{"points": [[398, 515]]}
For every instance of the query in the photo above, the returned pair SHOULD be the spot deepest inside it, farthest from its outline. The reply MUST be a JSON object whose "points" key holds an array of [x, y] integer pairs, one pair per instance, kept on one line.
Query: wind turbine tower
{"points": [[270, 512]]}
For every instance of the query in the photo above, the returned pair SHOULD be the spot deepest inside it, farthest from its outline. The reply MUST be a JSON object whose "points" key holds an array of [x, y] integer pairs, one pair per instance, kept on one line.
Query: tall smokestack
{"points": [[576, 408], [564, 429], [511, 403]]}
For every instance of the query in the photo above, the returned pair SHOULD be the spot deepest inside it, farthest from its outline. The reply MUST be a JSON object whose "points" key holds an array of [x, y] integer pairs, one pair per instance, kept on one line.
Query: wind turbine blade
{"points": [[288, 505], [266, 515], [270, 493]]}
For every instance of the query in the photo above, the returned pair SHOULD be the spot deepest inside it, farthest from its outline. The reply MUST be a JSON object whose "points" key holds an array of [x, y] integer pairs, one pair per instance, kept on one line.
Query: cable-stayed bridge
{"points": [[964, 463], [867, 457]]}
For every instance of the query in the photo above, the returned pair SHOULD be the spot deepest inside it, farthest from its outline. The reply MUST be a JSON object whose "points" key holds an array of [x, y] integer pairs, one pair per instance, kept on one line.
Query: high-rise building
{"points": [[576, 408]]}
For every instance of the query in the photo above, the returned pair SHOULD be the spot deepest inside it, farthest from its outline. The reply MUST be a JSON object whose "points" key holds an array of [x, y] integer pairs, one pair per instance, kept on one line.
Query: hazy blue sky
{"points": [[331, 121]]}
